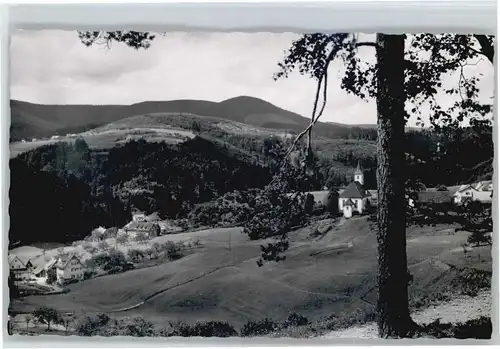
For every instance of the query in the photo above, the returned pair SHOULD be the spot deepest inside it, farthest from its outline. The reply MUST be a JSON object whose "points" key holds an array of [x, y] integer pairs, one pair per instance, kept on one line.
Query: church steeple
{"points": [[358, 175]]}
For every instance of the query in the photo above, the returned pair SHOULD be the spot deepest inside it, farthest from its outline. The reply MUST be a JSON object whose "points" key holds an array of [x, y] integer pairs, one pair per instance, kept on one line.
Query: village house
{"points": [[69, 267], [149, 228], [47, 271], [354, 198], [20, 267], [481, 191], [138, 217]]}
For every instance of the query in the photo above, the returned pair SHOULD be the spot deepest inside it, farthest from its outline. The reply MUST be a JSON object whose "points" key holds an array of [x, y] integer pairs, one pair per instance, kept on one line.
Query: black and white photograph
{"points": [[238, 184]]}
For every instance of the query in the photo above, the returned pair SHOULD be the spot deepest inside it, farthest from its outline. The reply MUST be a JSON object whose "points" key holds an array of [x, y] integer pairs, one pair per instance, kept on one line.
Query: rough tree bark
{"points": [[393, 317]]}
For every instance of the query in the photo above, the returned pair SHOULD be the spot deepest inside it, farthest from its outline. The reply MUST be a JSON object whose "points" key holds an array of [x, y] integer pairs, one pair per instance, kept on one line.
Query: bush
{"points": [[295, 319], [480, 328], [204, 329], [259, 328], [93, 326], [309, 204], [174, 251], [232, 208], [87, 274], [135, 256], [107, 261]]}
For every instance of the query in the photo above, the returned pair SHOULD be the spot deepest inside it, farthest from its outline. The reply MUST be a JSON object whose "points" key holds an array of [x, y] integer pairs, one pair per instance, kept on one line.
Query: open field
{"points": [[330, 274], [108, 138]]}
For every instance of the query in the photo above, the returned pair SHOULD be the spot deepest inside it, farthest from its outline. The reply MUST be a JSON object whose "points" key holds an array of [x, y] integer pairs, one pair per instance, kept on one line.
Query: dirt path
{"points": [[459, 309]]}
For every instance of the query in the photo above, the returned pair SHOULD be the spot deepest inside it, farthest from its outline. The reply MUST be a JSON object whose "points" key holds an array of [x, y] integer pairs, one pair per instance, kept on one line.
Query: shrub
{"points": [[231, 208], [480, 328], [88, 274], [93, 326], [135, 255], [204, 329], [309, 204], [295, 319], [107, 261], [47, 316], [259, 328], [139, 327], [174, 251]]}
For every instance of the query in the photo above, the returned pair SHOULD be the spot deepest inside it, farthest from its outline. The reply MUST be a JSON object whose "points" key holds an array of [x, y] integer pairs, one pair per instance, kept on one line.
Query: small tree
{"points": [[28, 319], [156, 247], [477, 219], [309, 204], [135, 256], [47, 316], [332, 202], [151, 252]]}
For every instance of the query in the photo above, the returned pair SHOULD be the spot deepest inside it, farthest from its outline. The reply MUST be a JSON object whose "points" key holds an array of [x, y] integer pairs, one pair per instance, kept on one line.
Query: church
{"points": [[354, 198]]}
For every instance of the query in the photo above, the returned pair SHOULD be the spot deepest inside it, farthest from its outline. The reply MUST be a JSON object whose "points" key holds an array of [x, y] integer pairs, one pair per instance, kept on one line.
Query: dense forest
{"points": [[61, 192]]}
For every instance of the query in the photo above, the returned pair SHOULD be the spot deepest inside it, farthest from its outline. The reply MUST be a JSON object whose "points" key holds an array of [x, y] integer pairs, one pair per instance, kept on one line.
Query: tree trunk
{"points": [[392, 305]]}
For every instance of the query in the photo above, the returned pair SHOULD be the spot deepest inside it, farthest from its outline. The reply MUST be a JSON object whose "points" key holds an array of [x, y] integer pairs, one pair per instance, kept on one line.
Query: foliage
{"points": [[204, 329], [154, 177], [92, 326], [480, 328], [231, 208], [47, 316], [274, 215], [259, 328], [470, 281], [295, 319], [174, 251], [135, 255], [114, 259], [476, 218]]}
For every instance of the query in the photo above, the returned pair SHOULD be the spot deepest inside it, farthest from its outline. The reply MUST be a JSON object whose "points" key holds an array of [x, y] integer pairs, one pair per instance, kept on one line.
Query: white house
{"points": [[355, 198], [464, 191], [138, 217], [481, 191], [44, 269], [19, 267], [69, 267]]}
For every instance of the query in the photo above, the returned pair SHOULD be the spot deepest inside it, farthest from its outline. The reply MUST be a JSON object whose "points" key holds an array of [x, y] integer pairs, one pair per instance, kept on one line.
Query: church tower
{"points": [[358, 175]]}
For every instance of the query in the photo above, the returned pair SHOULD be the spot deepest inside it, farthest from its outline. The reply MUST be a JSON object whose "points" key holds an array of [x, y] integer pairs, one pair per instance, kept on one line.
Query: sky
{"points": [[54, 67]]}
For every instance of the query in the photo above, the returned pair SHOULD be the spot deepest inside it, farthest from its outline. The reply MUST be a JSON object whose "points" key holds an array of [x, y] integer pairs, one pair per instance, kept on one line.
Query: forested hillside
{"points": [[62, 191]]}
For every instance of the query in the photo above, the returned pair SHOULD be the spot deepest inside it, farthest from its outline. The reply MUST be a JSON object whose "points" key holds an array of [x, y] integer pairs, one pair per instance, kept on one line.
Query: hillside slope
{"points": [[30, 120], [334, 274]]}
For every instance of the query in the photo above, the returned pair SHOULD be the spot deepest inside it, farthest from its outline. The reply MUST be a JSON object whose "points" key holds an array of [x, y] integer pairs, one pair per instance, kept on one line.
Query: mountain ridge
{"points": [[32, 120]]}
